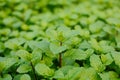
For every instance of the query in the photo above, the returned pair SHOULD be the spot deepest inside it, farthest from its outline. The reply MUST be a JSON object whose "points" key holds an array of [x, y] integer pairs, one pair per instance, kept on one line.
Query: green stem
{"points": [[35, 76], [1, 74]]}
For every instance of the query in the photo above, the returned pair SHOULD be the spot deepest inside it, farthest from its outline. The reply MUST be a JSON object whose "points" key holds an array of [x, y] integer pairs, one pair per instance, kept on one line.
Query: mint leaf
{"points": [[23, 54], [6, 77], [25, 77], [96, 63], [43, 70], [56, 48], [24, 68]]}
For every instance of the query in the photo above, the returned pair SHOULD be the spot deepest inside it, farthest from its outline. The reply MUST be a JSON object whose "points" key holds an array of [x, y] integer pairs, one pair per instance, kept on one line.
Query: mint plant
{"points": [[59, 40]]}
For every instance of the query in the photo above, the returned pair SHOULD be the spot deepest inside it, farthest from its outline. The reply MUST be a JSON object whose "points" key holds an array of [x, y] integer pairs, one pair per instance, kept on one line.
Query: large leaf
{"points": [[6, 77]]}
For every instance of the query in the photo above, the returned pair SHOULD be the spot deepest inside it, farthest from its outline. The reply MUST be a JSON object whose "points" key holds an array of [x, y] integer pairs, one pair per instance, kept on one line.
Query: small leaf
{"points": [[89, 52], [2, 66], [116, 57], [58, 75], [96, 63], [1, 47], [84, 45], [24, 68], [23, 54], [43, 70], [111, 75], [95, 44], [106, 59], [27, 14], [43, 45], [25, 77], [10, 62], [74, 74], [96, 27], [56, 48], [79, 55], [112, 20], [36, 55], [14, 43]]}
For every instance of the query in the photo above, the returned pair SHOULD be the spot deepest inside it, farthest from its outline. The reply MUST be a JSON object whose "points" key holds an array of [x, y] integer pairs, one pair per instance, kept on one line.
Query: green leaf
{"points": [[61, 72], [43, 45], [24, 68], [48, 60], [56, 48], [2, 66], [75, 73], [8, 20], [84, 45], [89, 74], [106, 59], [27, 14], [10, 62], [95, 44], [111, 75], [117, 38], [6, 77], [113, 20], [17, 77], [5, 32], [43, 70], [79, 55], [14, 43], [116, 57], [58, 75], [36, 55], [66, 32], [106, 48], [51, 33], [96, 63], [89, 52], [96, 27], [23, 54], [25, 77], [109, 29]]}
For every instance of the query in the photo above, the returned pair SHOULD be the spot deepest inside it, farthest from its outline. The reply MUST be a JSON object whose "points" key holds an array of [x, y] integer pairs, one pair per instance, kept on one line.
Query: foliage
{"points": [[59, 40]]}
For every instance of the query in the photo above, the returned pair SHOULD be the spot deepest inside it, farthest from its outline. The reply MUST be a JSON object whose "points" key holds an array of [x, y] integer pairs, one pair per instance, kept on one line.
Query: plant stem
{"points": [[1, 74], [60, 57], [35, 76]]}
